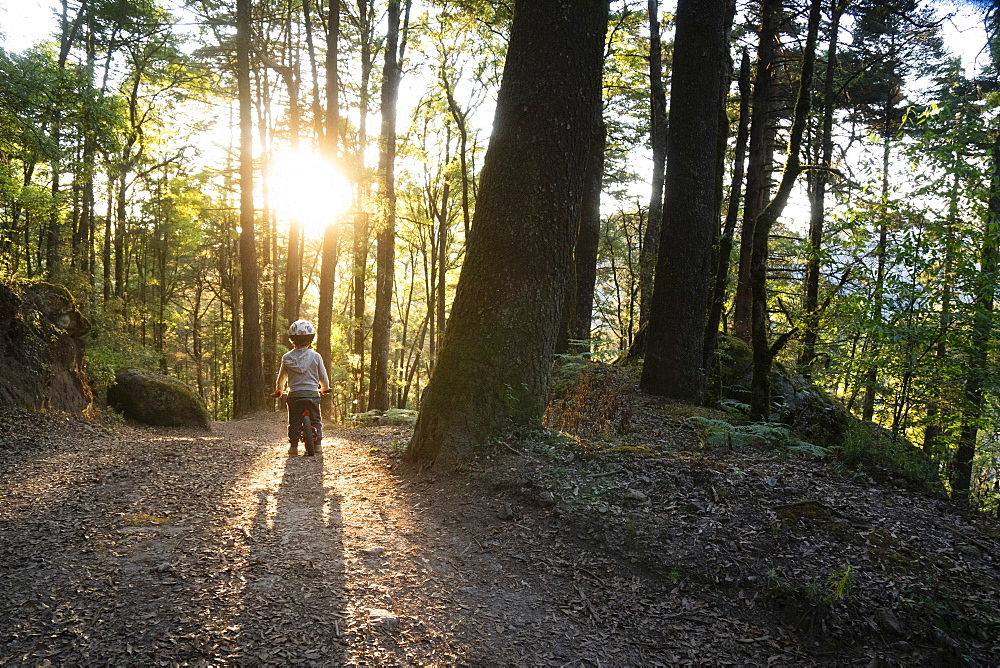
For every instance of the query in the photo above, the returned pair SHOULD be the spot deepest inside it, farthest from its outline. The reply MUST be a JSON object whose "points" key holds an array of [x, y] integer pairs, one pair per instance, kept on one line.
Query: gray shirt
{"points": [[304, 371]]}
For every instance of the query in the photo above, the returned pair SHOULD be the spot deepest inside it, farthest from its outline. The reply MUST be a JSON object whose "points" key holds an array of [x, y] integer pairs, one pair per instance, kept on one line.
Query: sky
{"points": [[24, 23]]}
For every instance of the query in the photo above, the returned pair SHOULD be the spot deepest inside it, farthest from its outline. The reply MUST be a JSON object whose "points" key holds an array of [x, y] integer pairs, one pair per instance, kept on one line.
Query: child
{"points": [[303, 370]]}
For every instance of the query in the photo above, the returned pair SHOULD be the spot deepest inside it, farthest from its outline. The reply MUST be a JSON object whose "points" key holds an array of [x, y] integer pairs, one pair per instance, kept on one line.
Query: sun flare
{"points": [[309, 189]]}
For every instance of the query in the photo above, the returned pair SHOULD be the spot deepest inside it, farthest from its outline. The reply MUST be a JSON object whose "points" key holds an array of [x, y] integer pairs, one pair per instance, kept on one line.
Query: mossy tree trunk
{"points": [[493, 369]]}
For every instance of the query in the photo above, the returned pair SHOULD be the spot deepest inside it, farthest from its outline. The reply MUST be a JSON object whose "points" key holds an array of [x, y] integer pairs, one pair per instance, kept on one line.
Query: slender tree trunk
{"points": [[332, 127], [979, 366], [588, 237], [360, 255], [378, 394], [119, 236], [933, 432], [327, 279], [365, 11], [329, 146], [493, 370], [250, 396], [761, 158], [106, 287], [763, 353], [732, 214], [658, 140], [293, 263], [674, 362], [818, 180], [871, 375], [441, 264], [461, 122], [317, 118]]}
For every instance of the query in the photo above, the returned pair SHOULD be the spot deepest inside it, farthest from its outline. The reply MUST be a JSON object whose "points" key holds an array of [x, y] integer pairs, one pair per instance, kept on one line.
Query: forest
{"points": [[457, 193]]}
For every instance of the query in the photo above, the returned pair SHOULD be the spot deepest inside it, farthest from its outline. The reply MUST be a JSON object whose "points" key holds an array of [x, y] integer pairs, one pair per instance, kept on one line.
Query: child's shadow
{"points": [[296, 570]]}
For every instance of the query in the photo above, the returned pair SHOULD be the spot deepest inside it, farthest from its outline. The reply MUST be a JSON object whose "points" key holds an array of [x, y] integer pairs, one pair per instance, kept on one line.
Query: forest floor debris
{"points": [[127, 546]]}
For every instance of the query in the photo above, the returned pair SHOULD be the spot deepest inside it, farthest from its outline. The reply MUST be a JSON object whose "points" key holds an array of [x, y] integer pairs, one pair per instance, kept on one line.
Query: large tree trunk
{"points": [[761, 157], [673, 366], [763, 352], [250, 396], [493, 370], [378, 394]]}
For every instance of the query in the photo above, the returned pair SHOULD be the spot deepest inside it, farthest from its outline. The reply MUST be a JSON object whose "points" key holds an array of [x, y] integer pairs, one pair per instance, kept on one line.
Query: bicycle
{"points": [[310, 431]]}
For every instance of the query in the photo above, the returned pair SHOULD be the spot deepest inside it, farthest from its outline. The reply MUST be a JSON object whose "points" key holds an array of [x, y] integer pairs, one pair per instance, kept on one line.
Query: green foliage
{"points": [[110, 349], [812, 593], [870, 449], [721, 434], [951, 615], [839, 585]]}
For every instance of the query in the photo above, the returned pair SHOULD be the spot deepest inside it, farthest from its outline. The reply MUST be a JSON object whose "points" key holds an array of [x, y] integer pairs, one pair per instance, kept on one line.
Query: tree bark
{"points": [[673, 366], [493, 370], [378, 393], [361, 228], [588, 238], [979, 366], [818, 180], [658, 141], [878, 295], [761, 158], [732, 213], [763, 355], [250, 396]]}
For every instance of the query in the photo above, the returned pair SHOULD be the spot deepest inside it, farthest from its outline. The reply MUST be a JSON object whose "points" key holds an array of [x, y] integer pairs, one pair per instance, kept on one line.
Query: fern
{"points": [[722, 434]]}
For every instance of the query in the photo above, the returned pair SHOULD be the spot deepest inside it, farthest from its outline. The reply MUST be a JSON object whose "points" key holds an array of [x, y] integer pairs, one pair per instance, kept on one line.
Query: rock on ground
{"points": [[41, 350], [156, 399]]}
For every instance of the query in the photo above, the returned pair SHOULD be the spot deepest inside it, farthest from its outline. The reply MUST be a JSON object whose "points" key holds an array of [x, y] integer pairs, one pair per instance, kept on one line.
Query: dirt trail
{"points": [[176, 548], [167, 547]]}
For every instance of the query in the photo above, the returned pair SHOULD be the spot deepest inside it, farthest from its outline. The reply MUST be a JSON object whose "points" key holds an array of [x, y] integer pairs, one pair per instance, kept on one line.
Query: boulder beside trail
{"points": [[156, 399], [803, 406], [42, 362]]}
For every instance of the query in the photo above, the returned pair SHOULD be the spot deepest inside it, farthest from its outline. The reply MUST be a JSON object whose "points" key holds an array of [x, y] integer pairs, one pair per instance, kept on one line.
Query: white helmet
{"points": [[301, 328]]}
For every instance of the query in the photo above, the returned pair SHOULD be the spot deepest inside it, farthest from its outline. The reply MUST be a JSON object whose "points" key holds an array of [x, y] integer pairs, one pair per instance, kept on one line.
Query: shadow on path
{"points": [[292, 603]]}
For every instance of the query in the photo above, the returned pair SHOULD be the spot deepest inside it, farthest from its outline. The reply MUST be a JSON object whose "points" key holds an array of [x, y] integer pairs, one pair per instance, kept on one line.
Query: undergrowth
{"points": [[871, 450], [590, 399], [722, 434]]}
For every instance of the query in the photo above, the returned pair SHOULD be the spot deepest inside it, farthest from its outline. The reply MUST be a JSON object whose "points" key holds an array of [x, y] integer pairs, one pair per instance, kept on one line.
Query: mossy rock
{"points": [[734, 364], [808, 410], [57, 304], [394, 417], [41, 350], [808, 514], [155, 399]]}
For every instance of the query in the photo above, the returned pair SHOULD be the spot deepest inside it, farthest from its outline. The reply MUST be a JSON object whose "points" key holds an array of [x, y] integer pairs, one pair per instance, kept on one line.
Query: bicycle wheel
{"points": [[308, 434]]}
